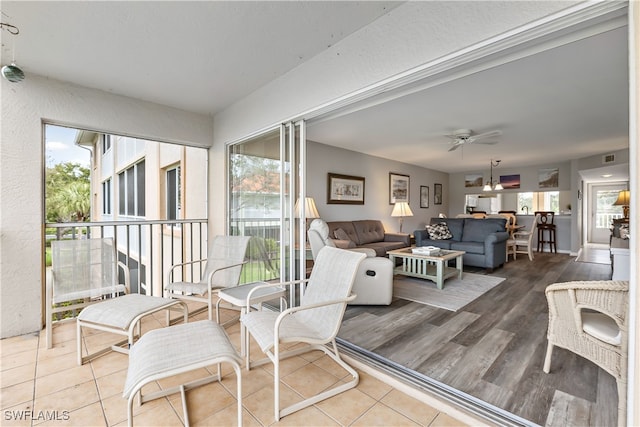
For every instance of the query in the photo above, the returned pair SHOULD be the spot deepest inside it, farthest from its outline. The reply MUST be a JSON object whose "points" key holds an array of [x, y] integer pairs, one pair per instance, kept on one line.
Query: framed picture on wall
{"points": [[548, 178], [437, 194], [398, 188], [510, 181], [424, 196], [345, 189]]}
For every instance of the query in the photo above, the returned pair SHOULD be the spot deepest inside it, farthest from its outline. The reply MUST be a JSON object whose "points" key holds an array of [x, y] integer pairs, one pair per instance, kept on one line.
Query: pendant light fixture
{"points": [[491, 185], [12, 72]]}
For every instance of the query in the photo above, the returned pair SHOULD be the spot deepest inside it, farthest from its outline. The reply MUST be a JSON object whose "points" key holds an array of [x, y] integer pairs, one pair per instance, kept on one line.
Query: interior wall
{"points": [[323, 159], [528, 182], [24, 106]]}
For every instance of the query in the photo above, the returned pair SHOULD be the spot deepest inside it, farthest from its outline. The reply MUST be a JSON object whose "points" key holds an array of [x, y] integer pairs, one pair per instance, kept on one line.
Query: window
{"points": [[174, 202], [106, 143], [131, 187], [539, 201], [106, 197]]}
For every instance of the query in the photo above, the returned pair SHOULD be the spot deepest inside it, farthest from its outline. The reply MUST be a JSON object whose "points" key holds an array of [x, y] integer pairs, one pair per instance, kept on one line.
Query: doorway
{"points": [[602, 211]]}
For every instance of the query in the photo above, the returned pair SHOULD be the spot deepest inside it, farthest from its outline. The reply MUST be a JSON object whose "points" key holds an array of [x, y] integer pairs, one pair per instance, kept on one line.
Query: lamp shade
{"points": [[401, 209], [310, 209], [623, 198]]}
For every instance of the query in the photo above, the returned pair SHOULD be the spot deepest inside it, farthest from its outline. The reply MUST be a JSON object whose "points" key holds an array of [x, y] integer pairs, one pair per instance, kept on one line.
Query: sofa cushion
{"points": [[340, 234], [468, 247], [347, 226], [382, 248], [439, 231], [369, 231], [455, 226], [442, 244], [476, 230]]}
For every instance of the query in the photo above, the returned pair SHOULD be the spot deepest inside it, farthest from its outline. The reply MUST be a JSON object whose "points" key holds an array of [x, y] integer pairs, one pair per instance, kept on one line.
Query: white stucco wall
{"points": [[24, 106], [409, 36]]}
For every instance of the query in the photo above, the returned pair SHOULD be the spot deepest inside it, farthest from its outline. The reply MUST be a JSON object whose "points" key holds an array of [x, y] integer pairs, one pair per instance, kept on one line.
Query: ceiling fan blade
{"points": [[486, 135], [486, 142], [455, 147]]}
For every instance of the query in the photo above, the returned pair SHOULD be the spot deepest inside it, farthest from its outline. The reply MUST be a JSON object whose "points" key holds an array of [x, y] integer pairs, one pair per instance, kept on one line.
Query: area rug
{"points": [[456, 293]]}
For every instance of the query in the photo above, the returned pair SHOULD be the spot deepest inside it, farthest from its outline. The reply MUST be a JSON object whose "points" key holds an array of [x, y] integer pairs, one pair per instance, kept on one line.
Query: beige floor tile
{"points": [[348, 406], [373, 386], [261, 405], [55, 364], [310, 380], [382, 415], [228, 417], [17, 394], [19, 344], [91, 415], [69, 399], [252, 381], [162, 415], [410, 407], [287, 366], [17, 375], [61, 333], [444, 420], [109, 363], [204, 401], [329, 365], [60, 349], [115, 408], [15, 360], [308, 417], [112, 384], [63, 379]]}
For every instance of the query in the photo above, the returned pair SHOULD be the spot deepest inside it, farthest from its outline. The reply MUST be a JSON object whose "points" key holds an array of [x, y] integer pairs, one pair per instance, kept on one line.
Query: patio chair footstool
{"points": [[174, 350], [122, 316]]}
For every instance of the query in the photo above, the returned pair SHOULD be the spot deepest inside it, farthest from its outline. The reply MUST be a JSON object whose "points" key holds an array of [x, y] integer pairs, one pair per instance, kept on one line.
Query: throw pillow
{"points": [[439, 231], [341, 234]]}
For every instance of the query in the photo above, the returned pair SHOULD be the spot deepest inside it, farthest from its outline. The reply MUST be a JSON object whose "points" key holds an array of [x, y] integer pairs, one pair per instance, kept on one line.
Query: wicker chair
{"points": [[590, 319]]}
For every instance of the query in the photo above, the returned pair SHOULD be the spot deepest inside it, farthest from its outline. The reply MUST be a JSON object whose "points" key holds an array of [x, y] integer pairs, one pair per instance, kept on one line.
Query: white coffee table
{"points": [[431, 267]]}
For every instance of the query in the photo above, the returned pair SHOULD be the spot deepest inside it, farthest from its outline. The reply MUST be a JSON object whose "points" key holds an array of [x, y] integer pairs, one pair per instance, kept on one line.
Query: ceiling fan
{"points": [[466, 136]]}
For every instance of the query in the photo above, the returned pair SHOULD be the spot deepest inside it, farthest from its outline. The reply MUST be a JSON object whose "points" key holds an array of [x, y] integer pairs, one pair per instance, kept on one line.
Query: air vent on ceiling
{"points": [[608, 158]]}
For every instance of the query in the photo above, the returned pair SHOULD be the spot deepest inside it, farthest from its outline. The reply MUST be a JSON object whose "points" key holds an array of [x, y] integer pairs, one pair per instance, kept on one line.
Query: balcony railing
{"points": [[150, 248]]}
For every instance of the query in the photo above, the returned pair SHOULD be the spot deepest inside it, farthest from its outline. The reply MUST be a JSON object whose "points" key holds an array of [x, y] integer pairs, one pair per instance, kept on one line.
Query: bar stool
{"points": [[545, 223]]}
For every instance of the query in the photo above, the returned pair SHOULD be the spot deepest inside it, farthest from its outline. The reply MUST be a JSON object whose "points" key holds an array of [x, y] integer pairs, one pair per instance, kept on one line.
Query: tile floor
{"points": [[45, 387]]}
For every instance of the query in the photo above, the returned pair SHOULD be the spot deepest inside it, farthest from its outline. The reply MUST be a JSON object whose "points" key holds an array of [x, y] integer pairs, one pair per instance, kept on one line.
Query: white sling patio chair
{"points": [[221, 269], [84, 273], [315, 322]]}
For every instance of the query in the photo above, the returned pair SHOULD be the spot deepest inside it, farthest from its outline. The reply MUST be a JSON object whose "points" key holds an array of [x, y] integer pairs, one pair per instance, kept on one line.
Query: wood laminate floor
{"points": [[494, 348]]}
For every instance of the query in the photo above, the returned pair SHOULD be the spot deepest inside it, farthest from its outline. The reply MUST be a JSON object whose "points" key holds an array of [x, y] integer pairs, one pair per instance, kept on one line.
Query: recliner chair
{"points": [[374, 278]]}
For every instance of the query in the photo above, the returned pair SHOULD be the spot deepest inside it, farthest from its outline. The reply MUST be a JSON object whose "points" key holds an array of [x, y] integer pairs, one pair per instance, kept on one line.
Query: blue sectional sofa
{"points": [[483, 240]]}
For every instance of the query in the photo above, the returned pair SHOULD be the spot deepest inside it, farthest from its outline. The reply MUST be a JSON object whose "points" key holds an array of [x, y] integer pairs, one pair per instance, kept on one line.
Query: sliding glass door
{"points": [[265, 178]]}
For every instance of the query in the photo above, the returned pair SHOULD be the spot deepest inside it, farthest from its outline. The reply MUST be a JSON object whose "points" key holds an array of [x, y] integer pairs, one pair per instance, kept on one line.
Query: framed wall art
{"points": [[345, 189], [473, 180], [424, 196], [398, 188], [510, 181], [548, 178], [437, 194]]}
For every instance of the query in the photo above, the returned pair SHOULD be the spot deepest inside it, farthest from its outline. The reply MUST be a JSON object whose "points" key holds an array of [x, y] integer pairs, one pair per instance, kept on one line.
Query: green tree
{"points": [[67, 193]]}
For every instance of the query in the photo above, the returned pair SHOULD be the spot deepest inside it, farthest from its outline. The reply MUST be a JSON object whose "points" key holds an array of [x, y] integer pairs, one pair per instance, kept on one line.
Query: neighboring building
{"points": [[135, 180]]}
